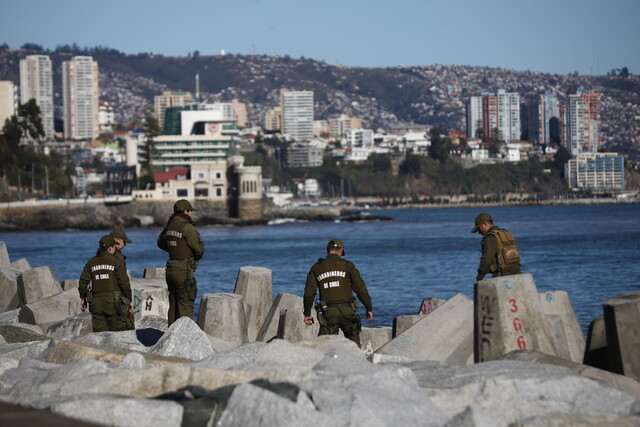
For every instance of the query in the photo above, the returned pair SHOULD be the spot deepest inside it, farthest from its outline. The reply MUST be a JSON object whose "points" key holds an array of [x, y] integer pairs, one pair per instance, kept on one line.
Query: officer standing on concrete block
{"points": [[500, 256], [105, 289], [120, 236], [181, 239], [336, 279]]}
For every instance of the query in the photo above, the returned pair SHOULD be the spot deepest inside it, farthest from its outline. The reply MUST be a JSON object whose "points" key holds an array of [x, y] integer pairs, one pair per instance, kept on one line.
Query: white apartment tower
{"points": [[583, 134], [474, 116], [508, 115], [36, 82], [8, 101], [297, 114], [80, 98]]}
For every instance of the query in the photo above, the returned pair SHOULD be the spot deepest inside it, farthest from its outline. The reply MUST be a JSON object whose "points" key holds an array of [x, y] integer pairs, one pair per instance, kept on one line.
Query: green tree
{"points": [[151, 130], [411, 166], [30, 120], [380, 163], [439, 148]]}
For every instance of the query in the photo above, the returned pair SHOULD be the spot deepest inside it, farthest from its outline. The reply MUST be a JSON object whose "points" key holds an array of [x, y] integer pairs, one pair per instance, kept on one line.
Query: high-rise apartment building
{"points": [[490, 116], [170, 99], [545, 119], [8, 101], [583, 135], [36, 82], [297, 114], [240, 111], [340, 127], [508, 115], [273, 119], [80, 98], [474, 116]]}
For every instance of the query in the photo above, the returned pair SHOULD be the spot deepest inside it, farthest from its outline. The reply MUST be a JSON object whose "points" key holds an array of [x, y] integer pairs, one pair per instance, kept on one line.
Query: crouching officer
{"points": [[105, 289], [336, 279], [181, 239]]}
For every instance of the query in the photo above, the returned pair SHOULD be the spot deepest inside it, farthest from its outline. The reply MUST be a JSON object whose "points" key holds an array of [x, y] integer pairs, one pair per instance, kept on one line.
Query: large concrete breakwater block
{"points": [[52, 309], [284, 301], [508, 316], [37, 283], [622, 323], [9, 298], [224, 315], [374, 337], [557, 305], [254, 284], [150, 297], [154, 273], [291, 326], [445, 335], [5, 261], [595, 352]]}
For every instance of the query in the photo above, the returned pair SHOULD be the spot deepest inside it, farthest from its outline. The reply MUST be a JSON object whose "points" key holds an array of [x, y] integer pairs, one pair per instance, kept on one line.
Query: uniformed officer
{"points": [[181, 239], [120, 236], [105, 290], [492, 260], [336, 279]]}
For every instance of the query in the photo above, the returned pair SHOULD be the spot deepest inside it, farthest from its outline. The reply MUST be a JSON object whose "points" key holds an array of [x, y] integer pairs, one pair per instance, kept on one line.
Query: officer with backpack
{"points": [[500, 255]]}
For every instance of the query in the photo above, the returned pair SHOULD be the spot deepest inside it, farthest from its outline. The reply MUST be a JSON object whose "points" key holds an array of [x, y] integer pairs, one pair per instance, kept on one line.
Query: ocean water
{"points": [[592, 252]]}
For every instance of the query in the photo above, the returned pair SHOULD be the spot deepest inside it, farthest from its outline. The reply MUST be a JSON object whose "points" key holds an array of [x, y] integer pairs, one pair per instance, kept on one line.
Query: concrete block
{"points": [[557, 303], [554, 323], [9, 317], [71, 284], [5, 261], [508, 316], [372, 338], [73, 326], [429, 304], [291, 326], [21, 333], [20, 265], [402, 323], [596, 352], [37, 283], [254, 284], [55, 308], [622, 323], [445, 335], [150, 298], [223, 315], [154, 273], [9, 298], [283, 301]]}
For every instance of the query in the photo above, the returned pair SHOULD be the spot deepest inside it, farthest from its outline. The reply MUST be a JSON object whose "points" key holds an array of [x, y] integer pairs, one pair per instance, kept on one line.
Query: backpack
{"points": [[508, 255]]}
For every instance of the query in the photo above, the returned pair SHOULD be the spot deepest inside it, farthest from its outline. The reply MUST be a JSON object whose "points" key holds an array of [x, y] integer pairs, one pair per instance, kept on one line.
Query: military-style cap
{"points": [[182, 205], [107, 241], [481, 218], [335, 244], [120, 234]]}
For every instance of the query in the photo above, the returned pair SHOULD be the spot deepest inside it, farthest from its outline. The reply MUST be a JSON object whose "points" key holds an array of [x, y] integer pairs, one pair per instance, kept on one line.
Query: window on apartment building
{"points": [[218, 175], [202, 192], [182, 192], [219, 192]]}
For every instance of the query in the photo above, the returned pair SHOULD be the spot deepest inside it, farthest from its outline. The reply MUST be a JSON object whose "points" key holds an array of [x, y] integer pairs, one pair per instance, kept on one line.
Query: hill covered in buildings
{"points": [[383, 97]]}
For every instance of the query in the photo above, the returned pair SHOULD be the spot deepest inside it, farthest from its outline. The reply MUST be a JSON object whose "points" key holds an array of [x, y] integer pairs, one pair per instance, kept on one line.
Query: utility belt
{"points": [[185, 260], [340, 304]]}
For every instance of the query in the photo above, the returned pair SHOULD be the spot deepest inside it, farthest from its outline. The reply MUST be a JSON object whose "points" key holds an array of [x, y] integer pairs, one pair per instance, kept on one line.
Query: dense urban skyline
{"points": [[588, 36]]}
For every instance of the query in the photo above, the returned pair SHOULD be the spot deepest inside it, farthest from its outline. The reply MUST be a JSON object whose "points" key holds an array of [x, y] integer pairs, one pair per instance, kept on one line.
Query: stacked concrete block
{"points": [[5, 261], [9, 298], [52, 309], [622, 323], [291, 326], [283, 301], [445, 335], [254, 284], [508, 316], [429, 304], [557, 305], [36, 284], [372, 338], [223, 315], [20, 265], [150, 298], [402, 323], [596, 352], [154, 273], [70, 284], [73, 326]]}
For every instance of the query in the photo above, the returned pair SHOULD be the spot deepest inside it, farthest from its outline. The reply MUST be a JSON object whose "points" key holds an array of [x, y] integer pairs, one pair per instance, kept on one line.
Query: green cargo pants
{"points": [[340, 318], [182, 290], [109, 312]]}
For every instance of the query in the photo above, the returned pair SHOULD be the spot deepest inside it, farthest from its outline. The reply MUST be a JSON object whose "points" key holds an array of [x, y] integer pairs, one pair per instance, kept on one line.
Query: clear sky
{"points": [[554, 36]]}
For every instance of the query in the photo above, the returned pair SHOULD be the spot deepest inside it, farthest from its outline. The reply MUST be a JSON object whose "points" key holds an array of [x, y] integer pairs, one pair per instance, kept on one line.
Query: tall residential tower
{"points": [[80, 98], [36, 82]]}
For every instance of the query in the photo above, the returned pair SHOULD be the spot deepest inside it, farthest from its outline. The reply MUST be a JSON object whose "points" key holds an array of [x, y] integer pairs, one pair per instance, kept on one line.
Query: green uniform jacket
{"points": [[489, 260], [106, 273], [336, 279], [181, 239]]}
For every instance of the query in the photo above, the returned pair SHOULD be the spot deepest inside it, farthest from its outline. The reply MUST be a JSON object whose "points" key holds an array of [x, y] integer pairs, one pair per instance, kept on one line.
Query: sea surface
{"points": [[590, 251]]}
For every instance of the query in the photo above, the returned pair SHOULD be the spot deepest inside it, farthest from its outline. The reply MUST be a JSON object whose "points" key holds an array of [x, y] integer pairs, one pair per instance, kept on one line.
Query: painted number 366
{"points": [[517, 325]]}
